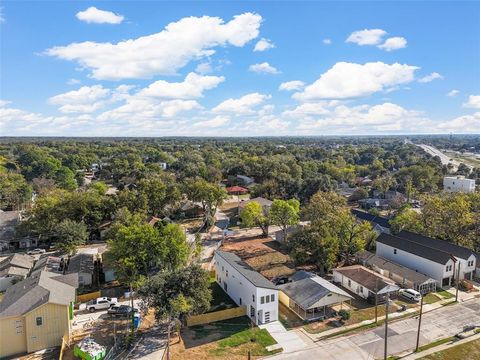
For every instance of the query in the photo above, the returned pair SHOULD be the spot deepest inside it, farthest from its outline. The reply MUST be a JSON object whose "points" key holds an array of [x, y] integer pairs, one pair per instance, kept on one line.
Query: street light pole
{"points": [[386, 326], [419, 324]]}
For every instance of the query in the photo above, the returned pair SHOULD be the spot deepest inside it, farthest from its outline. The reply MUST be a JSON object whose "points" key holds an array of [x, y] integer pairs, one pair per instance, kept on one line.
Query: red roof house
{"points": [[236, 190]]}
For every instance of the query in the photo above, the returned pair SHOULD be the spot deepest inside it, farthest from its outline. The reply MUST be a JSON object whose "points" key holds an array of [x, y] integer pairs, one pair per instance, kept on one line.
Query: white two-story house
{"points": [[437, 259], [458, 184], [247, 287]]}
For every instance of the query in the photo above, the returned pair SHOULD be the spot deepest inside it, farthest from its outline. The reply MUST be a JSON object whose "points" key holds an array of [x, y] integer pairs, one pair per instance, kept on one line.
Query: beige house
{"points": [[36, 313]]}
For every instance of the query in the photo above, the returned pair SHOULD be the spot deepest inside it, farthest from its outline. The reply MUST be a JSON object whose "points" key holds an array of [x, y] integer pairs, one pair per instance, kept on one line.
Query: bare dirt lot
{"points": [[263, 254]]}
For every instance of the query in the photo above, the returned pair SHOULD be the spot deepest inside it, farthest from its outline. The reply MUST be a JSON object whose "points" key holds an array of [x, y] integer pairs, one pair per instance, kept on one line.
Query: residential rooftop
{"points": [[243, 268], [412, 247], [34, 291], [365, 277]]}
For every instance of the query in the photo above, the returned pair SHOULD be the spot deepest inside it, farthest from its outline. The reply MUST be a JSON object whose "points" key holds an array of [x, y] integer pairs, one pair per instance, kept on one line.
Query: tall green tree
{"points": [[15, 192], [255, 215], [285, 213], [315, 245], [210, 195], [70, 235], [175, 294]]}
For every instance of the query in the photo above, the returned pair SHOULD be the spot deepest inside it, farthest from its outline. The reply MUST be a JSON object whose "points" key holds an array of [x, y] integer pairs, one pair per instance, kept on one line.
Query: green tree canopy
{"points": [[178, 293], [69, 235], [255, 215]]}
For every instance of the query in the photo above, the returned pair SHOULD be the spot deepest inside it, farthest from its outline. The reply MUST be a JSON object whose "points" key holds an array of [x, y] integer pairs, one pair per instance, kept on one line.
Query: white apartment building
{"points": [[458, 184], [247, 287], [438, 259]]}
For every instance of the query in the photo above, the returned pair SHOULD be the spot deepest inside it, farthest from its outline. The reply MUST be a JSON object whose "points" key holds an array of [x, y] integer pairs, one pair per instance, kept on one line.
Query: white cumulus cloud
{"points": [[243, 105], [367, 37], [473, 102], [216, 122], [97, 16], [192, 87], [430, 77], [393, 43], [327, 41], [263, 68], [349, 80], [263, 44], [163, 53], [291, 85], [453, 93], [87, 99]]}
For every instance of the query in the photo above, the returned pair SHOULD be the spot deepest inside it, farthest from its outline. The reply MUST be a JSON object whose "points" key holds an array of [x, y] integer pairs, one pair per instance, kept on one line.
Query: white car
{"points": [[411, 294], [101, 303], [36, 251]]}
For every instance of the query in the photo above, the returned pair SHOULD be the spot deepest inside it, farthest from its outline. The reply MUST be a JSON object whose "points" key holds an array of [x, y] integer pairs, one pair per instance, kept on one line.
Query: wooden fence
{"points": [[64, 345], [88, 296], [216, 316]]}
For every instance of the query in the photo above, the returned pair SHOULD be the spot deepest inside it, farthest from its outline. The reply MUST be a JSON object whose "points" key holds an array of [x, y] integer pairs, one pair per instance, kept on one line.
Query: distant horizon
{"points": [[239, 69], [236, 137]]}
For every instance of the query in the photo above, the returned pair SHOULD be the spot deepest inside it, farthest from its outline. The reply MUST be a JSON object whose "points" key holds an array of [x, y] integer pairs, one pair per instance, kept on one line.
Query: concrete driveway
{"points": [[438, 324], [289, 340]]}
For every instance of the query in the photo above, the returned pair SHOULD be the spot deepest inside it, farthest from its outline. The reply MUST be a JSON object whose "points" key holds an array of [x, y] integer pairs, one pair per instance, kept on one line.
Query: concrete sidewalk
{"points": [[288, 340], [435, 349], [392, 316]]}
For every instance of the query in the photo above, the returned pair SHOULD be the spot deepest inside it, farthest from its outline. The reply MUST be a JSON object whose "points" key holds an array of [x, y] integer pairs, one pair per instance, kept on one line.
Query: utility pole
{"points": [[168, 338], [458, 280], [419, 324], [376, 300], [386, 326]]}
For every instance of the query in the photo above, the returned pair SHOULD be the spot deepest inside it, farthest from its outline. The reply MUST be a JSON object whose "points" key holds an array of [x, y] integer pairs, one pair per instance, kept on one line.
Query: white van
{"points": [[411, 294]]}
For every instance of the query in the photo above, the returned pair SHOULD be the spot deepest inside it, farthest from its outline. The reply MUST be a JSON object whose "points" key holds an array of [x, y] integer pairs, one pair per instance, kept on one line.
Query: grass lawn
{"points": [[220, 299], [430, 299], [233, 338], [469, 350], [435, 343], [445, 294]]}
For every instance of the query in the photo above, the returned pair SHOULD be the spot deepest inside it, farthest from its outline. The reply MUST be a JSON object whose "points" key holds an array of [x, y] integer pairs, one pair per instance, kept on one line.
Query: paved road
{"points": [[435, 152], [151, 346], [368, 345]]}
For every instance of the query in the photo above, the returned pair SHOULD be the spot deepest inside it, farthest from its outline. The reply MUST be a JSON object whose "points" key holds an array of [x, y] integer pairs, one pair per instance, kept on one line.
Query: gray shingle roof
{"points": [[33, 292], [373, 260], [18, 260], [262, 201], [456, 250], [14, 271], [309, 290], [81, 263], [243, 268], [438, 256], [362, 215]]}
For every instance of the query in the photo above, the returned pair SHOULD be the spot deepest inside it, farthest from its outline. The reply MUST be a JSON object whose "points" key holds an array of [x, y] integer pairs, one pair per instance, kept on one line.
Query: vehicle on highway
{"points": [[121, 310], [410, 294], [101, 303], [36, 251]]}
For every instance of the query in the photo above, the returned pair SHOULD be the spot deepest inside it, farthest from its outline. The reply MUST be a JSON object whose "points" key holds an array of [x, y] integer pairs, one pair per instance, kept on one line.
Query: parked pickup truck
{"points": [[101, 303]]}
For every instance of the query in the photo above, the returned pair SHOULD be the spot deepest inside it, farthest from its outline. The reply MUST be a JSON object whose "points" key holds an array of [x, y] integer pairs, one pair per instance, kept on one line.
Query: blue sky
{"points": [[239, 68]]}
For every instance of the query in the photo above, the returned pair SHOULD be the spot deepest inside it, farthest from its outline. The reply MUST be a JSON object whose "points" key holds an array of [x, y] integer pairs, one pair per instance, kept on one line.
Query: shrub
{"points": [[465, 285], [344, 314]]}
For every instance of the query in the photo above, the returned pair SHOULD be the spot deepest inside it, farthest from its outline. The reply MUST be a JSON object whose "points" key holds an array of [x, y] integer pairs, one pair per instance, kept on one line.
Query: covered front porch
{"points": [[312, 313]]}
